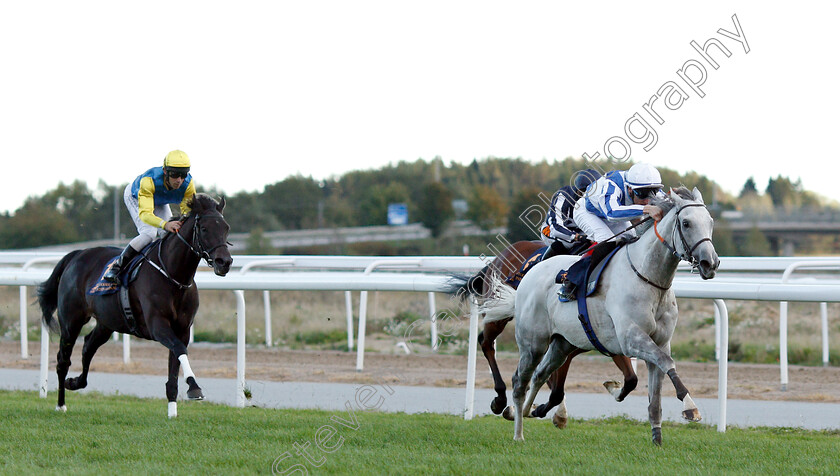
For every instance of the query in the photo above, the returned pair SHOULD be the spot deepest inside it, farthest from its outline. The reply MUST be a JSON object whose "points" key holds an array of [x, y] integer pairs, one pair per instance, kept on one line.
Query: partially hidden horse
{"points": [[163, 297], [505, 267], [633, 311]]}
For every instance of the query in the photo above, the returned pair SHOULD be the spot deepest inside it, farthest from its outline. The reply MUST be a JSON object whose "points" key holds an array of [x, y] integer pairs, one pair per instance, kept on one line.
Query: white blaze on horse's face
{"points": [[696, 225]]}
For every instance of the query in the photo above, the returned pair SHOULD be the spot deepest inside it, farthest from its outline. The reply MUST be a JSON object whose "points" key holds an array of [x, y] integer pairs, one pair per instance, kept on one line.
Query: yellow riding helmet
{"points": [[177, 159]]}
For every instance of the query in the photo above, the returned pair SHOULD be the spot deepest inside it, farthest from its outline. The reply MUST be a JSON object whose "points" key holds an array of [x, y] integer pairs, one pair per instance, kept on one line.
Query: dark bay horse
{"points": [[163, 297], [503, 267]]}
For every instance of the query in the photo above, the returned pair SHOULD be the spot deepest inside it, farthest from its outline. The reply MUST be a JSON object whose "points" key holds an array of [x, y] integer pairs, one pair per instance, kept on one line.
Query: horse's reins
{"points": [[687, 251]]}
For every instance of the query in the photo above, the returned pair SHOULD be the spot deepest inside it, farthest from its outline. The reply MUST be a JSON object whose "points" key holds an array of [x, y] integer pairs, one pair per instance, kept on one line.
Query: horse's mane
{"points": [[202, 202], [666, 204]]}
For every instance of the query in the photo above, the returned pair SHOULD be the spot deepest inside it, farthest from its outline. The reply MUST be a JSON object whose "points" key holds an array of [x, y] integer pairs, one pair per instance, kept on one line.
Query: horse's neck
{"points": [[180, 262], [653, 259]]}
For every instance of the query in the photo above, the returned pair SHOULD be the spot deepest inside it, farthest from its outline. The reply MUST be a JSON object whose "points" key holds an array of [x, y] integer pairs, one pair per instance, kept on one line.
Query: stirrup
{"points": [[567, 291], [112, 277]]}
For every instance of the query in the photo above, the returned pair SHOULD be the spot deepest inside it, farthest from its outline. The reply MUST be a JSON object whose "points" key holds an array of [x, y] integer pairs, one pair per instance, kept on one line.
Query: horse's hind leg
{"points": [[554, 357], [492, 330], [557, 382], [93, 341], [528, 360], [70, 329], [630, 379]]}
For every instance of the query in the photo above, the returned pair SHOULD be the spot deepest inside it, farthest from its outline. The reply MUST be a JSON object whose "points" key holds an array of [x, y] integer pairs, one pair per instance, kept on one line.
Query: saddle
{"points": [[127, 275]]}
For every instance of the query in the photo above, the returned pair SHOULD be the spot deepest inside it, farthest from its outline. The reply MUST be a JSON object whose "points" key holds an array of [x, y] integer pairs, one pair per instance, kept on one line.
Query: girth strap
{"points": [[125, 304], [583, 316]]}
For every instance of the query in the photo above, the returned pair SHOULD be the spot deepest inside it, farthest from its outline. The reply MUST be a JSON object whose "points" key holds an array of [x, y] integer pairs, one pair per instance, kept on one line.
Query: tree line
{"points": [[496, 191]]}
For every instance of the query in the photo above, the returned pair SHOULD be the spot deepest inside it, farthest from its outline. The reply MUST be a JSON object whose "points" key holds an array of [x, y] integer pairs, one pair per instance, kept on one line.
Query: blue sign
{"points": [[397, 214]]}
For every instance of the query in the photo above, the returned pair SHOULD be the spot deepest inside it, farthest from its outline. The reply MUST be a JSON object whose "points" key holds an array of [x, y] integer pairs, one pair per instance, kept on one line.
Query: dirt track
{"points": [[746, 381]]}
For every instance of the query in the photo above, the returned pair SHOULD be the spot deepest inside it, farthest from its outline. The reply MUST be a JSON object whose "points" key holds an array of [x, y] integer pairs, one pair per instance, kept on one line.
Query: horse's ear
{"points": [[697, 195], [221, 205], [675, 197]]}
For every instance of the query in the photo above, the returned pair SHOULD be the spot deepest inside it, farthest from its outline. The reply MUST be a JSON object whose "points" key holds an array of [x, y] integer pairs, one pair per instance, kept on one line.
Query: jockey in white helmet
{"points": [[617, 197]]}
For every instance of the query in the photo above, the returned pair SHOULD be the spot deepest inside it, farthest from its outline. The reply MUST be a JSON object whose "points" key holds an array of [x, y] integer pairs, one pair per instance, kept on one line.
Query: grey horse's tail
{"points": [[464, 286], [48, 291], [501, 304]]}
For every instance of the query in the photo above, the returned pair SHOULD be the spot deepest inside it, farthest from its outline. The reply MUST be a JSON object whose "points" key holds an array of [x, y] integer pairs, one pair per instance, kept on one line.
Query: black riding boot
{"points": [[555, 249], [125, 257]]}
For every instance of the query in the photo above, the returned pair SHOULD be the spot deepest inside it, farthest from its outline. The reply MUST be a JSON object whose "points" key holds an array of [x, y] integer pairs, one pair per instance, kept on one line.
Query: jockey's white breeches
{"points": [[147, 233], [595, 227]]}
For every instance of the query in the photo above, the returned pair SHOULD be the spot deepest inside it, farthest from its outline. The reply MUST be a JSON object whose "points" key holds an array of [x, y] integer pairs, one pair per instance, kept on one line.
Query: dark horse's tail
{"points": [[464, 286], [48, 292]]}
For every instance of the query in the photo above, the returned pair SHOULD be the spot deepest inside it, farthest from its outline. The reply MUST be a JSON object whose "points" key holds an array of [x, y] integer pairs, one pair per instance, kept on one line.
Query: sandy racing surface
{"points": [[746, 381]]}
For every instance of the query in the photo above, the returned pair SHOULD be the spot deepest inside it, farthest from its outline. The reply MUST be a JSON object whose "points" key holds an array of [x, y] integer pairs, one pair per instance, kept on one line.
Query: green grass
{"points": [[125, 435]]}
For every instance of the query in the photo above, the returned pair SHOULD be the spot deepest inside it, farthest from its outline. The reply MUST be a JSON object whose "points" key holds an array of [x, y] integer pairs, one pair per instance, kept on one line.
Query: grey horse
{"points": [[633, 312]]}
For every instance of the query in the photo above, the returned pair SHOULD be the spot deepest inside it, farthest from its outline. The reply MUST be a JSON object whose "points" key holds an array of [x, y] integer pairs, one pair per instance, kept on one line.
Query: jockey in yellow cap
{"points": [[147, 199]]}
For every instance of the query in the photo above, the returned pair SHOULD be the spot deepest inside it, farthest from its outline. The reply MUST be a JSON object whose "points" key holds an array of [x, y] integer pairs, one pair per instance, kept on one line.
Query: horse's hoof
{"points": [[62, 408], [692, 414], [74, 383], [507, 414], [195, 394], [559, 421], [657, 436], [614, 388], [540, 411], [498, 405]]}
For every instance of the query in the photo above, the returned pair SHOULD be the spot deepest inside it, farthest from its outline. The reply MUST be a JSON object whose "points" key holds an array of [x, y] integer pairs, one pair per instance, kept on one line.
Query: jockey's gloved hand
{"points": [[579, 237]]}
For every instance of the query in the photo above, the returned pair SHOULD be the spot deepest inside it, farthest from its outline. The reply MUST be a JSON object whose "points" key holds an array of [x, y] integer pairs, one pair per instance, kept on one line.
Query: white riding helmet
{"points": [[643, 175]]}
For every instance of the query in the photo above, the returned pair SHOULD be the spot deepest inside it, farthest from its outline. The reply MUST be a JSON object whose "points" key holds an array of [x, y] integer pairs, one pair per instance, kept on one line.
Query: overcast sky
{"points": [[256, 91]]}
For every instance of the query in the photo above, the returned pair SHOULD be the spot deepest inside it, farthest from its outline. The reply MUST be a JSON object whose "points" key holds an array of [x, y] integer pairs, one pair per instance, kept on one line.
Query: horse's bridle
{"points": [[201, 252], [687, 254]]}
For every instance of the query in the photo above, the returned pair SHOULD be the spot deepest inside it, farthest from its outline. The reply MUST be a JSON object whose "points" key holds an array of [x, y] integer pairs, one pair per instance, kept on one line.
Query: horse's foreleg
{"points": [[164, 334], [641, 345], [172, 385], [488, 340], [655, 403], [93, 341], [630, 379]]}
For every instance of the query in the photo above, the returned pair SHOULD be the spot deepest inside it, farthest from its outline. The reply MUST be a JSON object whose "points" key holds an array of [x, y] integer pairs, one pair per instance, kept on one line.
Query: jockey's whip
{"points": [[628, 229]]}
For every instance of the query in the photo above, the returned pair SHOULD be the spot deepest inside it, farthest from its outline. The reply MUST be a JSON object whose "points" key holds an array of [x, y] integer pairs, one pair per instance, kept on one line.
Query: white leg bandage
{"points": [[185, 363], [173, 409]]}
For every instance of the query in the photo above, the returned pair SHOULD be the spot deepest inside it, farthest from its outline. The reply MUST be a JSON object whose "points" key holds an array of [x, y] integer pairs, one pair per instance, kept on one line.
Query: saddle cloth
{"points": [[127, 275], [514, 279]]}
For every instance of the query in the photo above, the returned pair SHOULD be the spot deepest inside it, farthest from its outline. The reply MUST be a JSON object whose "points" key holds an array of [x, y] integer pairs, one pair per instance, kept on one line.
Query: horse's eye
{"points": [[686, 224]]}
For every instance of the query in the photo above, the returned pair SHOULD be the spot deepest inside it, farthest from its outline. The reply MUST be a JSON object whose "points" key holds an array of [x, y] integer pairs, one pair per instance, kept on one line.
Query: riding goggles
{"points": [[645, 193], [177, 173]]}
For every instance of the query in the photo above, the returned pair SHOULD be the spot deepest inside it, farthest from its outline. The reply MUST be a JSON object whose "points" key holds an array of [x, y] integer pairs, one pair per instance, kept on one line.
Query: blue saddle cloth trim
{"points": [[587, 283], [514, 279], [102, 287]]}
